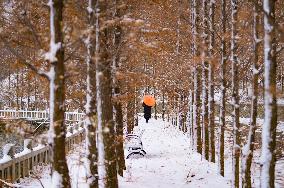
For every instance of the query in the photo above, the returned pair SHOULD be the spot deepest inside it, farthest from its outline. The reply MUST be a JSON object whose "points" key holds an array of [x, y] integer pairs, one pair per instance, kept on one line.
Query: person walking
{"points": [[147, 112], [148, 102]]}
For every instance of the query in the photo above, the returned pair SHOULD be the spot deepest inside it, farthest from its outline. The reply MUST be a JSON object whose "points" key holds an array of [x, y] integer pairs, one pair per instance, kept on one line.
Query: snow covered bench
{"points": [[134, 145]]}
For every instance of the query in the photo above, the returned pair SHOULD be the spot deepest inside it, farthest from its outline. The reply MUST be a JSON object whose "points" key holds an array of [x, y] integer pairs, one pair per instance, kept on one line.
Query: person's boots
{"points": [[147, 120]]}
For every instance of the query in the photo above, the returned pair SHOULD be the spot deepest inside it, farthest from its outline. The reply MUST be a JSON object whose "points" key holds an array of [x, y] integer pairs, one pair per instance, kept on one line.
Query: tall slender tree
{"points": [[60, 173], [91, 108], [211, 68], [130, 108], [249, 147], [235, 94], [223, 63], [268, 158], [104, 93], [117, 103], [197, 74], [204, 55]]}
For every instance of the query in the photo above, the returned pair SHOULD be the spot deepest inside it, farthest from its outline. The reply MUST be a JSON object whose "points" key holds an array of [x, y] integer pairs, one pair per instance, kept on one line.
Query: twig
{"points": [[37, 178], [8, 184], [23, 61], [279, 50]]}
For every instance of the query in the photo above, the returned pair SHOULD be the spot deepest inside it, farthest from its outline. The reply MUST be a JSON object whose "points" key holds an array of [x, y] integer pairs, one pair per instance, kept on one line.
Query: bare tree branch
{"points": [[8, 184], [23, 61]]}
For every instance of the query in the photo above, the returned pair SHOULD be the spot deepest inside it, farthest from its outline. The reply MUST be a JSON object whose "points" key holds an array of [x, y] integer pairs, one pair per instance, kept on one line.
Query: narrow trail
{"points": [[170, 162]]}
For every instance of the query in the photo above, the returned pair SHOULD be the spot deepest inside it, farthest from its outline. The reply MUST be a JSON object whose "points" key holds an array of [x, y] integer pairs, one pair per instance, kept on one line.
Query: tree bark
{"points": [[119, 134], [223, 90], [130, 112], [91, 107], [104, 94], [191, 125], [117, 104], [57, 96], [197, 75], [163, 106], [268, 157], [235, 95], [211, 102], [205, 119], [249, 147]]}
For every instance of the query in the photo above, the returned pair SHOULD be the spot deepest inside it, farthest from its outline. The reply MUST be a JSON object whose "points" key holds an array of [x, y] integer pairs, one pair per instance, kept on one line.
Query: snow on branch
{"points": [[54, 47]]}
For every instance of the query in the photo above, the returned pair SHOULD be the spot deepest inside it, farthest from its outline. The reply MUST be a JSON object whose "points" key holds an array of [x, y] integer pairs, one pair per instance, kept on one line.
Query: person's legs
{"points": [[147, 120]]}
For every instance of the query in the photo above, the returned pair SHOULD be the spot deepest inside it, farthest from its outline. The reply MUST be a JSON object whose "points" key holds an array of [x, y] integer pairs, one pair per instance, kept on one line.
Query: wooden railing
{"points": [[15, 166], [38, 115]]}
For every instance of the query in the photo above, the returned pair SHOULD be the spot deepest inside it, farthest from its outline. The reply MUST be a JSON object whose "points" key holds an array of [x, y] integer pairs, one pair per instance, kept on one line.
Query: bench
{"points": [[134, 145]]}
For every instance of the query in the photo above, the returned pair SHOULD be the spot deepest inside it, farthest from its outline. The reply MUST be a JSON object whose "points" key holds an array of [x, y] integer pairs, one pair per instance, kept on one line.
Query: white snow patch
{"points": [[56, 180], [38, 147]]}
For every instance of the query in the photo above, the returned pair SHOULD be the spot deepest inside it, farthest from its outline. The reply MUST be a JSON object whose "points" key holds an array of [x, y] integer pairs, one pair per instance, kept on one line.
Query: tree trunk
{"points": [[17, 89], [91, 107], [60, 173], [155, 107], [249, 147], [29, 93], [117, 104], [163, 106], [22, 92], [235, 96], [268, 158], [211, 69], [130, 112], [9, 84], [196, 109], [104, 96], [205, 81], [282, 80], [223, 90], [35, 106], [119, 134], [190, 114], [197, 75]]}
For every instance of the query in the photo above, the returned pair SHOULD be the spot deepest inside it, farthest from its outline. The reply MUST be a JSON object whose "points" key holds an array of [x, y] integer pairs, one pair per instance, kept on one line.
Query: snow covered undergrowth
{"points": [[169, 162], [255, 168], [77, 172]]}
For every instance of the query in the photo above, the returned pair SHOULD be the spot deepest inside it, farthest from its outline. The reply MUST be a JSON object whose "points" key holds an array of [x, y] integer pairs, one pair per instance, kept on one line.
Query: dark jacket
{"points": [[147, 111]]}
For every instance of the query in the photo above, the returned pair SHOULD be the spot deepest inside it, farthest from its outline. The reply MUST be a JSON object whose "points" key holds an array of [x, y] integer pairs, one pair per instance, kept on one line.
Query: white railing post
{"points": [[74, 116]]}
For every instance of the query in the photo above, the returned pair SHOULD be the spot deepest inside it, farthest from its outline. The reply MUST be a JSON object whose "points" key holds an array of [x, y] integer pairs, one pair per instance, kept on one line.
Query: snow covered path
{"points": [[169, 163]]}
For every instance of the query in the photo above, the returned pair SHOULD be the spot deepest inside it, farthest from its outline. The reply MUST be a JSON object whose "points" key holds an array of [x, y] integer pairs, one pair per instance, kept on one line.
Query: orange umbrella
{"points": [[149, 100]]}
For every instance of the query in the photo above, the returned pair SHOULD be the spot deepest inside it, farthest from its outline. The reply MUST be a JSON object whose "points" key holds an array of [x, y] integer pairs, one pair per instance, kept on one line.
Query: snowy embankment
{"points": [[169, 162]]}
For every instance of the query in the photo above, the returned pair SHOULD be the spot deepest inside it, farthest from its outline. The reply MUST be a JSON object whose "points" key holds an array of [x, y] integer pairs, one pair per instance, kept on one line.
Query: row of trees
{"points": [[100, 25], [197, 57], [245, 45], [99, 107]]}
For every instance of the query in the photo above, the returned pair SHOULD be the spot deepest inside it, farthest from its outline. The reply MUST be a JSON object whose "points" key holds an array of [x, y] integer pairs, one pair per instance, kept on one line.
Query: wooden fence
{"points": [[15, 166]]}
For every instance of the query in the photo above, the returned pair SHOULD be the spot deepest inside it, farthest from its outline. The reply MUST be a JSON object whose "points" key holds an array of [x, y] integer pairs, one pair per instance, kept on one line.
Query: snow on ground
{"points": [[255, 168], [76, 166], [169, 162]]}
